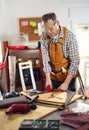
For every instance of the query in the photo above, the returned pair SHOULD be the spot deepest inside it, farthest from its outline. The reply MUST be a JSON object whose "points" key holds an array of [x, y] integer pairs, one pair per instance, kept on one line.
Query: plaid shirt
{"points": [[70, 50]]}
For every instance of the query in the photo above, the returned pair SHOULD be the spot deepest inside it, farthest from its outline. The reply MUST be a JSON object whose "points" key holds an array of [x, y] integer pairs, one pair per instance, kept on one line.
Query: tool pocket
{"points": [[59, 76]]}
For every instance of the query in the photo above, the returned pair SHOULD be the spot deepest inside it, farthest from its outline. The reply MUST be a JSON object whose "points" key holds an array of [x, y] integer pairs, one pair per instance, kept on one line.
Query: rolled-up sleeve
{"points": [[72, 52], [45, 54]]}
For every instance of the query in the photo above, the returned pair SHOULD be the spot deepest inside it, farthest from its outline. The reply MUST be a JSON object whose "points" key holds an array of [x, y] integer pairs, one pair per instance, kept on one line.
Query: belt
{"points": [[57, 71], [53, 70]]}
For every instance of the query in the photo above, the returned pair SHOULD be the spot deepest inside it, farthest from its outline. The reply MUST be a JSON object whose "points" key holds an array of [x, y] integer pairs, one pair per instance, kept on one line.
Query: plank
{"points": [[58, 98]]}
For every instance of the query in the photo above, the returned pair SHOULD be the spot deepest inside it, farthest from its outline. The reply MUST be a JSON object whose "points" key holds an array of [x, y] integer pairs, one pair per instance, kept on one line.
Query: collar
{"points": [[61, 35], [57, 38]]}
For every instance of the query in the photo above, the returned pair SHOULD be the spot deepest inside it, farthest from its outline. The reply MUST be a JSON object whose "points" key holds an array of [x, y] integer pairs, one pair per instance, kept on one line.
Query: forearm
{"points": [[48, 78], [73, 54], [45, 57], [64, 86], [68, 79]]}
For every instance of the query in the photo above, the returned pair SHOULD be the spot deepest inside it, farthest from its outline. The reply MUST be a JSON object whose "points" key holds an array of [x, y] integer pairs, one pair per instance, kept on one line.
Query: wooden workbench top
{"points": [[12, 122]]}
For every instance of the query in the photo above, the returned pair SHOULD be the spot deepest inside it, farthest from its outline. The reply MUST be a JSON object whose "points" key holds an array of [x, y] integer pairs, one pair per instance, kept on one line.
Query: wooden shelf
{"points": [[30, 54]]}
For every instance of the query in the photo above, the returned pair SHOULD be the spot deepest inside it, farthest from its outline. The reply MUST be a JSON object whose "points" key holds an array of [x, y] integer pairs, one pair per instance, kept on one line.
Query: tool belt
{"points": [[58, 75], [57, 71]]}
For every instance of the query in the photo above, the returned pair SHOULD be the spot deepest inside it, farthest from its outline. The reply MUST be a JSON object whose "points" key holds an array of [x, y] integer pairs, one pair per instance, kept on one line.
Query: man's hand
{"points": [[63, 87], [49, 88]]}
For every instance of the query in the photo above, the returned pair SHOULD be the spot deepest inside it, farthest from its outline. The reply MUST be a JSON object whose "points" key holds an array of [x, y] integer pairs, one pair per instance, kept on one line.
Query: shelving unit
{"points": [[36, 57]]}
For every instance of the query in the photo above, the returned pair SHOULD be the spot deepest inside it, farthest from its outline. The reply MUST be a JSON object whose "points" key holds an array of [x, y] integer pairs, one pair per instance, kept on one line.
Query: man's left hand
{"points": [[63, 87]]}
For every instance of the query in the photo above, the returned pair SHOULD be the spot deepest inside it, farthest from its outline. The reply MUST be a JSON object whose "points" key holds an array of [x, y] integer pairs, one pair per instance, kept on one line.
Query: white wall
{"points": [[14, 9], [2, 16], [11, 10]]}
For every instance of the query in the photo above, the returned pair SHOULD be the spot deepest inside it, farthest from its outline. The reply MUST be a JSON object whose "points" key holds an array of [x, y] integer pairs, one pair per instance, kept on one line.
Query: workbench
{"points": [[43, 111], [57, 114], [12, 122]]}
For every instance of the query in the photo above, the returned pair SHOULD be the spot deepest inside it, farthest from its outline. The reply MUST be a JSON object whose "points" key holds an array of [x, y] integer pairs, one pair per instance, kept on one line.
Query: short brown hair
{"points": [[47, 16]]}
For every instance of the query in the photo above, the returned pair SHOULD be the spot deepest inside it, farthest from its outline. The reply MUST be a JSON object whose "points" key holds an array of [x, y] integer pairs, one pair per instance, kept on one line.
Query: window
{"points": [[82, 33], [1, 57]]}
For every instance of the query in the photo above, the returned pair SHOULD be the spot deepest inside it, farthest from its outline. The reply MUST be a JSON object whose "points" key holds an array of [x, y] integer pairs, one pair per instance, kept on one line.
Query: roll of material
{"points": [[8, 102]]}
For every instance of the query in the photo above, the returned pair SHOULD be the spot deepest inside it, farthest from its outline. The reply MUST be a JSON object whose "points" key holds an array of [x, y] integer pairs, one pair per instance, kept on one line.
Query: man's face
{"points": [[52, 28]]}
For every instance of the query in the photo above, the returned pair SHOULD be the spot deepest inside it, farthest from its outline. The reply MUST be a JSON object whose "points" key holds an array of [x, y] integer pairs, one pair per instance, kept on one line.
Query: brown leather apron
{"points": [[57, 59]]}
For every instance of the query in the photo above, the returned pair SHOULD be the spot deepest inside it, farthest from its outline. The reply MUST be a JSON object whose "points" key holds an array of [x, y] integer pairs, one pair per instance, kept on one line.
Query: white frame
{"points": [[26, 65]]}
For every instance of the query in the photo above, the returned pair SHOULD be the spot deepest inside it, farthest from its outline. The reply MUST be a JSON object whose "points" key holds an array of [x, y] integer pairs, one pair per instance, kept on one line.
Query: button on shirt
{"points": [[70, 50]]}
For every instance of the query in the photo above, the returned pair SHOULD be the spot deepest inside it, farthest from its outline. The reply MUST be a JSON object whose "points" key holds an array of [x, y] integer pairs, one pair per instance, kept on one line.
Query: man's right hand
{"points": [[49, 88]]}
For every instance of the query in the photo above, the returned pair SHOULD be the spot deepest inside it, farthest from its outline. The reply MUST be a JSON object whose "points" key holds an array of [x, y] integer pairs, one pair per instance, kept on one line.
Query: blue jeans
{"points": [[71, 87]]}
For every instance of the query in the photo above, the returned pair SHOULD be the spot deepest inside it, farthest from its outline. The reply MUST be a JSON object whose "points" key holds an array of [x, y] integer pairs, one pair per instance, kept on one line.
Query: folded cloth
{"points": [[84, 127], [75, 120], [9, 101]]}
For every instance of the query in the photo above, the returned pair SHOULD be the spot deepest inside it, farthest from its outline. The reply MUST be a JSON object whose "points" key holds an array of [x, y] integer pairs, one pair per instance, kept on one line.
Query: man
{"points": [[59, 53]]}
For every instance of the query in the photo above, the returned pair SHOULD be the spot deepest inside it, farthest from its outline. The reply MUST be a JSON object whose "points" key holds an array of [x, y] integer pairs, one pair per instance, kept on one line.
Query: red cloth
{"points": [[76, 120]]}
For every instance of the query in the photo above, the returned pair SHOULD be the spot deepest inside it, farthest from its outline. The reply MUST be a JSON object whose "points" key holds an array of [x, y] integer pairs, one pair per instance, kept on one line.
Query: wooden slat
{"points": [[59, 98], [12, 72], [5, 46]]}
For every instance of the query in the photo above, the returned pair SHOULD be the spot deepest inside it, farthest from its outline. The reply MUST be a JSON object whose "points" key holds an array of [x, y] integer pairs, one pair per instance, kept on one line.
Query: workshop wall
{"points": [[11, 10]]}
